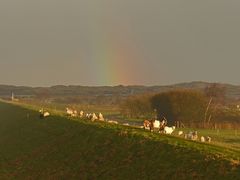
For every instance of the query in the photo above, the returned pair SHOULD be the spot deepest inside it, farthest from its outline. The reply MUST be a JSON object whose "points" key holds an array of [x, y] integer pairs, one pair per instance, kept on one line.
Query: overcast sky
{"points": [[111, 42]]}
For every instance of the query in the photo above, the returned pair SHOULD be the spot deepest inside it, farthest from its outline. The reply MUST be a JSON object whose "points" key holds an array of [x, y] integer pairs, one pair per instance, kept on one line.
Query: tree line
{"points": [[184, 106]]}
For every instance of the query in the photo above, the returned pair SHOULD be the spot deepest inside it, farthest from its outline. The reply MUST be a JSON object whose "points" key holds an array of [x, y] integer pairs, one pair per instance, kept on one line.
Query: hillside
{"points": [[58, 147], [232, 91]]}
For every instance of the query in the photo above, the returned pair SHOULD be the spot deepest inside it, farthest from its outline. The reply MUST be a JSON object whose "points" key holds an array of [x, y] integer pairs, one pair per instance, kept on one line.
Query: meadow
{"points": [[70, 148]]}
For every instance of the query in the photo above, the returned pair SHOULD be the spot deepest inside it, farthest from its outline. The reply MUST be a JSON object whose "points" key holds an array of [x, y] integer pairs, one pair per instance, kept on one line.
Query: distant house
{"points": [[13, 97]]}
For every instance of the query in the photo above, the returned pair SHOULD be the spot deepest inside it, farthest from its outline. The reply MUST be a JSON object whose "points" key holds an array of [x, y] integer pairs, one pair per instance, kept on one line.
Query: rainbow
{"points": [[113, 54]]}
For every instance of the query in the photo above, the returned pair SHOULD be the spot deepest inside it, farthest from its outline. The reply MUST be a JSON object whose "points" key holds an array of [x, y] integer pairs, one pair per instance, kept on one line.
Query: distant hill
{"points": [[232, 91]]}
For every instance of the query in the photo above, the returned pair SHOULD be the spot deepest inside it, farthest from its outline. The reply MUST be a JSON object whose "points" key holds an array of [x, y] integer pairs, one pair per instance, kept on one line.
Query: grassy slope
{"points": [[76, 149]]}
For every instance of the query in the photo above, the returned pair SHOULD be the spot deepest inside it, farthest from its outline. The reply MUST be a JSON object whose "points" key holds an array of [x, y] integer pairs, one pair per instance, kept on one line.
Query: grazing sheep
{"points": [[100, 117], [43, 114], [112, 122], [94, 117], [180, 133], [125, 124], [169, 130], [195, 136], [147, 124], [81, 114], [75, 112], [46, 114], [163, 123], [156, 124], [202, 139], [208, 139], [191, 135], [69, 111], [188, 135], [87, 116]]}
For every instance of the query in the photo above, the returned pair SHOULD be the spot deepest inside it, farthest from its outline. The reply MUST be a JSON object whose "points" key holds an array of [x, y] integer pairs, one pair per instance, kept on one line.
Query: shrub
{"points": [[186, 106], [137, 107]]}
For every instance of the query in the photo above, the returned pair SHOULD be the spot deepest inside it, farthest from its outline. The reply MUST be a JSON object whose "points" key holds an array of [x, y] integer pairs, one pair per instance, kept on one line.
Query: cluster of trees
{"points": [[180, 105], [184, 105], [138, 106]]}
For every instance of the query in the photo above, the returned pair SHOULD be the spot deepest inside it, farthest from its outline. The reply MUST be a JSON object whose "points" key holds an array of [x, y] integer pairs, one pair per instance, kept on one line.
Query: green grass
{"points": [[62, 148], [222, 137], [105, 109]]}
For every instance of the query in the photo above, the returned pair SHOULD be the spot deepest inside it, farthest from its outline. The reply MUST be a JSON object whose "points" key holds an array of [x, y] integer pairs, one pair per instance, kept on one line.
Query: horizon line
{"points": [[126, 85]]}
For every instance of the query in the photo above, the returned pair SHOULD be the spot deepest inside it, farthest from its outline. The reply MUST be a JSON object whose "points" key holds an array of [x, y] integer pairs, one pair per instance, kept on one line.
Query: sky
{"points": [[113, 42]]}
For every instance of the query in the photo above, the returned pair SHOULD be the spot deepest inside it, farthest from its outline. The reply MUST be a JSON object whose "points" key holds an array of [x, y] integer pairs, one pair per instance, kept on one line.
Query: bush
{"points": [[186, 106], [137, 107]]}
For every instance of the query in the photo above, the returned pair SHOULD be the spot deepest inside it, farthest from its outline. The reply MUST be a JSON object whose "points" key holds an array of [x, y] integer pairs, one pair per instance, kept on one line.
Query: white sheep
{"points": [[195, 136], [191, 135], [46, 114], [81, 113], [202, 139], [112, 122], [87, 116], [69, 111], [75, 113], [100, 117], [43, 114], [169, 130], [156, 124], [208, 139], [94, 117], [180, 133], [188, 135]]}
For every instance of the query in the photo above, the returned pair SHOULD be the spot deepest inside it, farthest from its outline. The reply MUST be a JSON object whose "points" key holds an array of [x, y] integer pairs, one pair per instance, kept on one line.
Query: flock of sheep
{"points": [[160, 126], [74, 113], [91, 116], [43, 113], [193, 135]]}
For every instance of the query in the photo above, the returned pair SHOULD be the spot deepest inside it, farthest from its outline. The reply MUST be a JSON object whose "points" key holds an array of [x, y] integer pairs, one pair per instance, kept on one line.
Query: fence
{"points": [[213, 125]]}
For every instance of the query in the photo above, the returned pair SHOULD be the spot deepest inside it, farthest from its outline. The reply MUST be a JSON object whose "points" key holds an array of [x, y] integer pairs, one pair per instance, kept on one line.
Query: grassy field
{"points": [[222, 137], [108, 110], [62, 148]]}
